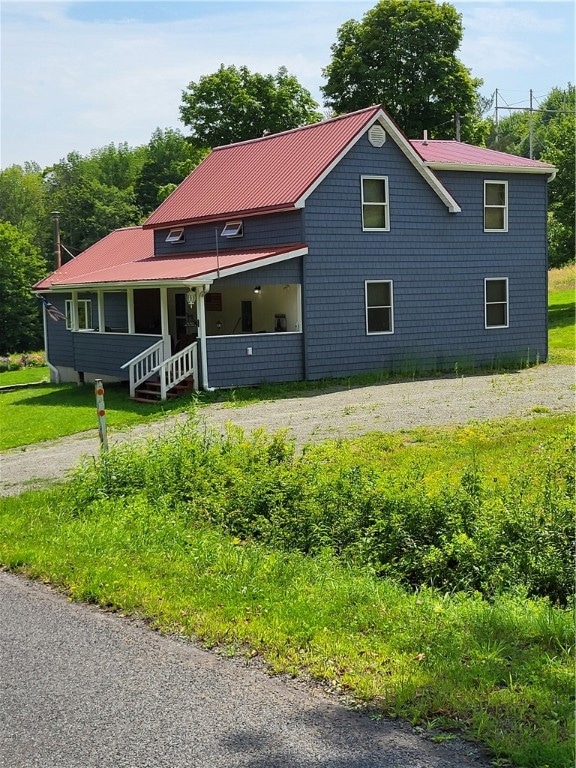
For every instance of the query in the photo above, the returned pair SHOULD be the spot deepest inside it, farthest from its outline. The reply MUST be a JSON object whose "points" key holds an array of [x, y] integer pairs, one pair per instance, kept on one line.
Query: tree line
{"points": [[400, 54]]}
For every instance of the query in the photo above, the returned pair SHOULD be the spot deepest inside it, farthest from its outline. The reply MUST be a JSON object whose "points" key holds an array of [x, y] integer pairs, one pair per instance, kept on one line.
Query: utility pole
{"points": [[496, 109], [531, 124], [457, 125]]}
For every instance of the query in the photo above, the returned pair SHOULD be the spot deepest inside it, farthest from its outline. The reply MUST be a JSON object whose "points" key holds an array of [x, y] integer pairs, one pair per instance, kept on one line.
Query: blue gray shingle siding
{"points": [[275, 228], [95, 352], [289, 271], [105, 353], [437, 262], [275, 357]]}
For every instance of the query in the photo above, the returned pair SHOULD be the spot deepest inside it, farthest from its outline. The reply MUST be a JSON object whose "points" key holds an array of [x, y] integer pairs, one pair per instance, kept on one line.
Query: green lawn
{"points": [[24, 376], [50, 411], [561, 335], [499, 670]]}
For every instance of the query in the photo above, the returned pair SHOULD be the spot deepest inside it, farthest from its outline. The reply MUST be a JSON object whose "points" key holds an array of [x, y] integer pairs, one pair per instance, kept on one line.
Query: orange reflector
{"points": [[99, 391], [101, 413]]}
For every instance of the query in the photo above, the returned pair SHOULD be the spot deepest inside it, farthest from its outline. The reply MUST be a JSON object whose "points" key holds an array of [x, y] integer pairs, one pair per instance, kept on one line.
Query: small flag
{"points": [[53, 312]]}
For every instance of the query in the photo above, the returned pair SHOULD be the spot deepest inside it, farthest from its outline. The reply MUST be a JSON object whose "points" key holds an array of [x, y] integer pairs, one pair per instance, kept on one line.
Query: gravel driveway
{"points": [[330, 414]]}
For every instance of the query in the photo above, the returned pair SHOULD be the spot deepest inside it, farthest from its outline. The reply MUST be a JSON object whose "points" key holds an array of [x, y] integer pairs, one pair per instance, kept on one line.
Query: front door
{"points": [[185, 325]]}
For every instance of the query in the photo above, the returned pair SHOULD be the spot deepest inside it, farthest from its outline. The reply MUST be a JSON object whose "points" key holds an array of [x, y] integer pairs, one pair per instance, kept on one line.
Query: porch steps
{"points": [[149, 391]]}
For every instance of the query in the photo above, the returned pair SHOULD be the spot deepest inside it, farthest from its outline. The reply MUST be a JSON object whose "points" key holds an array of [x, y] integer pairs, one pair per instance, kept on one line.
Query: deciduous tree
{"points": [[403, 55], [552, 127], [21, 265], [234, 104], [170, 157]]}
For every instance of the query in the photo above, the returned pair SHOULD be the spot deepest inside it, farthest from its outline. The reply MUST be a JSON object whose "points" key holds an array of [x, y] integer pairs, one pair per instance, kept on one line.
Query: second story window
{"points": [[375, 209], [232, 229], [495, 206], [175, 235]]}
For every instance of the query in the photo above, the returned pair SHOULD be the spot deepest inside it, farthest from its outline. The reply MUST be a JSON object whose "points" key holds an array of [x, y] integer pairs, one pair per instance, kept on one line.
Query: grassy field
{"points": [[51, 411], [133, 535], [25, 376], [561, 315]]}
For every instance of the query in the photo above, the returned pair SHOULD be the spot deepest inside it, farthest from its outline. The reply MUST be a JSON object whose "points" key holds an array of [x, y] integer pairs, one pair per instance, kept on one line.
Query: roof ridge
{"points": [[299, 128]]}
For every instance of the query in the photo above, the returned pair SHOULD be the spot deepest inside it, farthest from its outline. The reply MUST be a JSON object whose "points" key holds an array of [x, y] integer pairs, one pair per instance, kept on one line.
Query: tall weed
{"points": [[474, 533]]}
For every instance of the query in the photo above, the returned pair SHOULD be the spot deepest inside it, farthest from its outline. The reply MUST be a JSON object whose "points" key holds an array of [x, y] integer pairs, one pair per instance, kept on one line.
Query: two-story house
{"points": [[325, 251]]}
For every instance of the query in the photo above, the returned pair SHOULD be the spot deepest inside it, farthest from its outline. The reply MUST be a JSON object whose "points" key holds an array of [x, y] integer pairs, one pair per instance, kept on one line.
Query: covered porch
{"points": [[209, 331]]}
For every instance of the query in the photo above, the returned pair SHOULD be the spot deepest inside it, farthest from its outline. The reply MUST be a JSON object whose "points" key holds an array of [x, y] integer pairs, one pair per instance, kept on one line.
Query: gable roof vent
{"points": [[376, 135]]}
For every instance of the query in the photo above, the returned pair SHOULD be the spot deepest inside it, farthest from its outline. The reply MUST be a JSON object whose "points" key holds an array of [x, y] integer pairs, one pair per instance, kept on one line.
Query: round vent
{"points": [[377, 135]]}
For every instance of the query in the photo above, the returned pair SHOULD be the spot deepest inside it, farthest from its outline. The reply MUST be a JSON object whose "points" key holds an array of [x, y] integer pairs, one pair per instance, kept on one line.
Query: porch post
{"points": [[201, 315], [164, 321], [75, 321], [130, 309], [101, 318]]}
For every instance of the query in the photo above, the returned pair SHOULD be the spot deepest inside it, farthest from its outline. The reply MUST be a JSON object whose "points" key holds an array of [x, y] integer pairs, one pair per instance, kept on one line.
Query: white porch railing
{"points": [[144, 365], [177, 368], [171, 371]]}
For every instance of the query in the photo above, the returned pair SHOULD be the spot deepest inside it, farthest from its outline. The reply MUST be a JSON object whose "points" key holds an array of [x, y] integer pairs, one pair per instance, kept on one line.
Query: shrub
{"points": [[473, 534], [25, 360]]}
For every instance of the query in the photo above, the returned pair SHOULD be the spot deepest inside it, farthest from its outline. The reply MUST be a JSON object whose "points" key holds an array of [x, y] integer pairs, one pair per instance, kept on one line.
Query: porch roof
{"points": [[126, 256]]}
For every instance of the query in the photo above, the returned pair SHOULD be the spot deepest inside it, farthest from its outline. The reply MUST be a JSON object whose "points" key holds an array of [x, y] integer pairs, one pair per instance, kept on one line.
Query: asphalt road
{"points": [[82, 688]]}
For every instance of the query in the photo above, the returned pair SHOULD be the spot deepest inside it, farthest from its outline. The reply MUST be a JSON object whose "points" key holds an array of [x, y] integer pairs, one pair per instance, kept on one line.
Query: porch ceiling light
{"points": [[191, 297]]}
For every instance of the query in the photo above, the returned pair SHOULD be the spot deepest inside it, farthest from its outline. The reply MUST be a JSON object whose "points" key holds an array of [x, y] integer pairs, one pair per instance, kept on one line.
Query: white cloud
{"points": [[78, 85], [73, 84]]}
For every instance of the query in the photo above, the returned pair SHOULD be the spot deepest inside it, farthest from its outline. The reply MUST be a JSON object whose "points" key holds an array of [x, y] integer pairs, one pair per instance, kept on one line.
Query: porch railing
{"points": [[171, 371], [177, 368], [144, 365]]}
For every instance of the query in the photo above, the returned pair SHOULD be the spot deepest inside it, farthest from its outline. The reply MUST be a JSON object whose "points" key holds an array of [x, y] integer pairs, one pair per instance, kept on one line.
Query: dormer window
{"points": [[176, 235], [232, 229]]}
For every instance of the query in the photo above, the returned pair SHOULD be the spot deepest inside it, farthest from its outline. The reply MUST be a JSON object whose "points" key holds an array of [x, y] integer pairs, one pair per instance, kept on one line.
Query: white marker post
{"points": [[101, 411]]}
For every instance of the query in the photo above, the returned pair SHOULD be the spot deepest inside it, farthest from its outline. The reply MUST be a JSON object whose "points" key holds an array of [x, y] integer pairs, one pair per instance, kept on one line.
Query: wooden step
{"points": [[149, 391]]}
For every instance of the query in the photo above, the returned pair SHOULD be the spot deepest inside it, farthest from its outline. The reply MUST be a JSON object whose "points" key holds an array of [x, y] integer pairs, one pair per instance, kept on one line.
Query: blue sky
{"points": [[80, 75]]}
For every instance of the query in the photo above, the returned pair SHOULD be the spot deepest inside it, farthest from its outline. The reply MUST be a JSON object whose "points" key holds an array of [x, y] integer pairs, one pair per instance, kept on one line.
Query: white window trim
{"points": [[385, 205], [486, 304], [505, 206], [69, 312], [390, 307], [175, 235], [233, 229]]}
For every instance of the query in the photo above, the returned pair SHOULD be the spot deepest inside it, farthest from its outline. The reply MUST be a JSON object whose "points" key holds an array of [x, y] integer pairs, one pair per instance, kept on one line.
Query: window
{"points": [[495, 206], [84, 314], [232, 229], [375, 203], [175, 236], [379, 311], [496, 302]]}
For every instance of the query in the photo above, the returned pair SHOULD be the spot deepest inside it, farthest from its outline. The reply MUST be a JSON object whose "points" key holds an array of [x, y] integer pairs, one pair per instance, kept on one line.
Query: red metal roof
{"points": [[459, 153], [266, 174], [115, 250], [126, 256]]}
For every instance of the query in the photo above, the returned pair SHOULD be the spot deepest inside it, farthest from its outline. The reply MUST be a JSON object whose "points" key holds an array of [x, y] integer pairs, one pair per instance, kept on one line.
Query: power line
{"points": [[531, 109]]}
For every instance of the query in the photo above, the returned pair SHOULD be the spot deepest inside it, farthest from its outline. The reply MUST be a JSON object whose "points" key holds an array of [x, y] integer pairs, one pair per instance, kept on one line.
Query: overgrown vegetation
{"points": [[477, 531], [206, 536]]}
